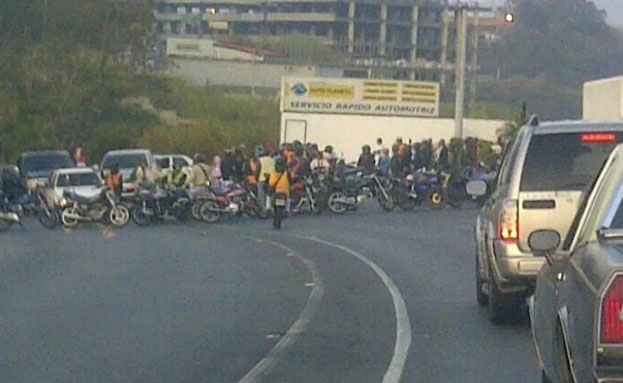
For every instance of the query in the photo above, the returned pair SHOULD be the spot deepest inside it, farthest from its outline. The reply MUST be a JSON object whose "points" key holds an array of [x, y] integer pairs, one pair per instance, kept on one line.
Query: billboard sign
{"points": [[360, 96]]}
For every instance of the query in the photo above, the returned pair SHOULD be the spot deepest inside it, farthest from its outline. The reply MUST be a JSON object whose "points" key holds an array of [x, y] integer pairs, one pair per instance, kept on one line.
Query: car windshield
{"points": [[78, 179], [45, 162], [124, 161], [565, 161]]}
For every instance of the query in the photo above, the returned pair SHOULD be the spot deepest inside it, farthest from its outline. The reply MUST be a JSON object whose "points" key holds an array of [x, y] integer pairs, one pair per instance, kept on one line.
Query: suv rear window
{"points": [[565, 161]]}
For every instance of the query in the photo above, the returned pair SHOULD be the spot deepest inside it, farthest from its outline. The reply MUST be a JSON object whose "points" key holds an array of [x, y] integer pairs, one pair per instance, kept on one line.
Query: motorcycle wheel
{"points": [[119, 215], [387, 203], [48, 220], [196, 210], [403, 200], [336, 204], [436, 198], [250, 208], [5, 225], [66, 218], [209, 212], [316, 208], [184, 213], [139, 217], [456, 195]]}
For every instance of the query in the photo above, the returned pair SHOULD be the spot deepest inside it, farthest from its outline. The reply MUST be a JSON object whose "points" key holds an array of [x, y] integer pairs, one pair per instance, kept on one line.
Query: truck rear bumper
{"points": [[515, 269]]}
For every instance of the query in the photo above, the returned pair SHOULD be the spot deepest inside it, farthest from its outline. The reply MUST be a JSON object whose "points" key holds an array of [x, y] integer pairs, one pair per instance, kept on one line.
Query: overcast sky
{"points": [[614, 8]]}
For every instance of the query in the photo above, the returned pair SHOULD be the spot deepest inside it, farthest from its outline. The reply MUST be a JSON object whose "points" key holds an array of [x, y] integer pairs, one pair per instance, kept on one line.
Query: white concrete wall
{"points": [[235, 73], [603, 99], [347, 133]]}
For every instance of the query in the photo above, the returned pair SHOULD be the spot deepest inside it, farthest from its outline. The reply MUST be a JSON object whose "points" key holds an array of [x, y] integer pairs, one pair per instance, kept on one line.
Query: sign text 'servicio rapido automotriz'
{"points": [[360, 96]]}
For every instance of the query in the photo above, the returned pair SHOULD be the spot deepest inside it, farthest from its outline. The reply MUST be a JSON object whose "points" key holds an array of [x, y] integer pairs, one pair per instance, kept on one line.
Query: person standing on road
{"points": [[280, 181], [255, 168], [366, 160], [79, 159], [384, 162], [399, 162], [114, 180], [227, 167], [320, 166], [140, 175], [378, 149], [240, 164], [215, 173], [441, 163], [267, 167]]}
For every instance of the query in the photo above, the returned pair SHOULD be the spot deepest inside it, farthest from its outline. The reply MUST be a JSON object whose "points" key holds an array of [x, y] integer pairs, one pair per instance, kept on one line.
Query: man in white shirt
{"points": [[378, 149]]}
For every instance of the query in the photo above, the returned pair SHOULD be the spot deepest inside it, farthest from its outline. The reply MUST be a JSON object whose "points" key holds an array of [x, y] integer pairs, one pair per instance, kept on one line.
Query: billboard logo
{"points": [[299, 89]]}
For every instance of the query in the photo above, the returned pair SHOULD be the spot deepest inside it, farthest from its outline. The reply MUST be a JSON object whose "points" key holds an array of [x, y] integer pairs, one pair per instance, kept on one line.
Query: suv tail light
{"points": [[611, 322], [508, 227]]}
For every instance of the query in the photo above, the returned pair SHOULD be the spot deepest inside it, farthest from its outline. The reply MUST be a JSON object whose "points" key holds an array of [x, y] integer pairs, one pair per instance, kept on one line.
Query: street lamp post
{"points": [[461, 53]]}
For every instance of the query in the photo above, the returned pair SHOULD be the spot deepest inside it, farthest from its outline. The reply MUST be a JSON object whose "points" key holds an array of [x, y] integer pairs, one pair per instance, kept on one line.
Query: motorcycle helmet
{"points": [[366, 149], [199, 158], [259, 151]]}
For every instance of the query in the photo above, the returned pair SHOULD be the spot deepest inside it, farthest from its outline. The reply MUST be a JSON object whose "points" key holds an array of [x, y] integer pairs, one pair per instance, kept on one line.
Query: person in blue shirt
{"points": [[384, 162]]}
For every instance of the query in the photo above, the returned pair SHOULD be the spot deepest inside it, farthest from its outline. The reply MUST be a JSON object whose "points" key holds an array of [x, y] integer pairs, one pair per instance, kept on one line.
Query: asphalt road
{"points": [[365, 297]]}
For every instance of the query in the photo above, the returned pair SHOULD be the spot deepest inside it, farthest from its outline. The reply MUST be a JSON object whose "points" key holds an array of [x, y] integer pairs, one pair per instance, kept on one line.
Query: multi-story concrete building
{"points": [[387, 38]]}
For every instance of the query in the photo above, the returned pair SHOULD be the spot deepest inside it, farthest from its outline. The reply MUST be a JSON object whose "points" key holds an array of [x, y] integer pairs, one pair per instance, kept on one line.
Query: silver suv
{"points": [[545, 172]]}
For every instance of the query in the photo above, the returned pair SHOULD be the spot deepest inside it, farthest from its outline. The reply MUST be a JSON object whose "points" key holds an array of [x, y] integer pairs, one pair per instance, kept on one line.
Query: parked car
{"points": [[128, 160], [37, 166], [577, 309], [166, 161], [544, 175], [81, 181]]}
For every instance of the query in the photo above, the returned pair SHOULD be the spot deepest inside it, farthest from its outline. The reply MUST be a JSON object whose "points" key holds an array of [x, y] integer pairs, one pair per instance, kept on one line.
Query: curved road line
{"points": [[313, 301], [403, 325]]}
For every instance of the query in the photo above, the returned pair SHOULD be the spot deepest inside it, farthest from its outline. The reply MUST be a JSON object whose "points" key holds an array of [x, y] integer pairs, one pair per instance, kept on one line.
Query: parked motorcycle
{"points": [[151, 207], [230, 200], [48, 209], [349, 191], [7, 217], [308, 195], [101, 208], [416, 189]]}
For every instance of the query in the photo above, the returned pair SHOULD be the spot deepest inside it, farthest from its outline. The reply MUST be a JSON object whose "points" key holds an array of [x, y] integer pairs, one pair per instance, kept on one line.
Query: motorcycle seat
{"points": [[220, 191]]}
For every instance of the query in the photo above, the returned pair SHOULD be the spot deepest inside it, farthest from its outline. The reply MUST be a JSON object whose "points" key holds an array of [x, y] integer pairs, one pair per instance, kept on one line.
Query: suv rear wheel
{"points": [[503, 307], [481, 297]]}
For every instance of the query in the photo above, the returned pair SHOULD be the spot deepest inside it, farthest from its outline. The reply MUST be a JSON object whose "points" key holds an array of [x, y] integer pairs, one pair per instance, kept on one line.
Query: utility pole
{"points": [[461, 53]]}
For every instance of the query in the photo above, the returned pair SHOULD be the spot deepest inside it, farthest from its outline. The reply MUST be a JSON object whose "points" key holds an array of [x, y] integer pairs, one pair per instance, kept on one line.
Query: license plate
{"points": [[280, 202]]}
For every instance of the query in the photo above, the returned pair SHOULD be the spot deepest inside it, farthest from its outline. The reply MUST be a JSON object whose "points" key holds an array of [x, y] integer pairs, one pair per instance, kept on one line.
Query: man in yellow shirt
{"points": [[279, 181], [267, 167]]}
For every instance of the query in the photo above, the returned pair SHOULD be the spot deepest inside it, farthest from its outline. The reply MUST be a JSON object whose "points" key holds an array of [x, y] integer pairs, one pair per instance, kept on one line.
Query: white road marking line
{"points": [[309, 284], [403, 325], [313, 301]]}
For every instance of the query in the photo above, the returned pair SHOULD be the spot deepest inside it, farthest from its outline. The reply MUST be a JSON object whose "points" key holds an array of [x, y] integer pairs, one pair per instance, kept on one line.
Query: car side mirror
{"points": [[545, 243], [476, 188], [96, 167]]}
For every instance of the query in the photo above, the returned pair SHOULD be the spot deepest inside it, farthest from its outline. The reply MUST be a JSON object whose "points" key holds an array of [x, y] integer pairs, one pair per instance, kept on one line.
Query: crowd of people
{"points": [[272, 170]]}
